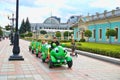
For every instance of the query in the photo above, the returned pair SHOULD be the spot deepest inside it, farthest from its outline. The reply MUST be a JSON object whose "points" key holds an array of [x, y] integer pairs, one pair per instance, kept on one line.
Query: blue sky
{"points": [[38, 10]]}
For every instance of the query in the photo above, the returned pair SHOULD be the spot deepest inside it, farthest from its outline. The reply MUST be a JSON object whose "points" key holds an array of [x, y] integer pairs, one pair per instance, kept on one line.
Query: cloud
{"points": [[50, 3], [8, 1], [46, 9], [38, 10], [34, 14], [106, 4]]}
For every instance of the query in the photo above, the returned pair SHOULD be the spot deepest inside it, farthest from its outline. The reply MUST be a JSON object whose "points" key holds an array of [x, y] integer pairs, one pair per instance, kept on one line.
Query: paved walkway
{"points": [[32, 68]]}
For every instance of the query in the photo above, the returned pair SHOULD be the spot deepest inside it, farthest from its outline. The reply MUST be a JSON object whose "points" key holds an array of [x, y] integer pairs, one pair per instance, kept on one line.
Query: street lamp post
{"points": [[12, 27], [36, 28], [16, 48]]}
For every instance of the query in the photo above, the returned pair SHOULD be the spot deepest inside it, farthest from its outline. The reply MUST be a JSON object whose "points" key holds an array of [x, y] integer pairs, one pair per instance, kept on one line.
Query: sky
{"points": [[38, 10]]}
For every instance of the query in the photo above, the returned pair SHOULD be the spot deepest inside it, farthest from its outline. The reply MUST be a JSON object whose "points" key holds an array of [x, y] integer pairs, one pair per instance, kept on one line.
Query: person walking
{"points": [[73, 46]]}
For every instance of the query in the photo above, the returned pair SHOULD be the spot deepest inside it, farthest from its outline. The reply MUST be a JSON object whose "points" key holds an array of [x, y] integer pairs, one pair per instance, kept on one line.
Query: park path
{"points": [[32, 68]]}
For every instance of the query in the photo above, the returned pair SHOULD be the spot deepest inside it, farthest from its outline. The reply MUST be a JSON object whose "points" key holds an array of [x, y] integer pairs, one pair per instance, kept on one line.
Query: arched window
{"points": [[100, 33], [107, 36], [116, 37]]}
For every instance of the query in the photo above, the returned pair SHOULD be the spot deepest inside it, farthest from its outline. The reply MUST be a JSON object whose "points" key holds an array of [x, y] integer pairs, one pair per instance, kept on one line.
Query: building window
{"points": [[94, 33], [108, 36], [77, 34], [82, 35], [116, 37], [33, 28], [100, 33]]}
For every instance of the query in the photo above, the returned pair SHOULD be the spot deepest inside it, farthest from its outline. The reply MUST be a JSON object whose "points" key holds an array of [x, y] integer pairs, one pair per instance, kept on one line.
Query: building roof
{"points": [[54, 30], [52, 20]]}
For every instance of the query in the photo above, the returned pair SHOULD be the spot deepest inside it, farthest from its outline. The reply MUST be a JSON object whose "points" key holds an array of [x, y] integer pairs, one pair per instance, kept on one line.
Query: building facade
{"points": [[99, 24], [73, 22], [51, 25], [6, 33]]}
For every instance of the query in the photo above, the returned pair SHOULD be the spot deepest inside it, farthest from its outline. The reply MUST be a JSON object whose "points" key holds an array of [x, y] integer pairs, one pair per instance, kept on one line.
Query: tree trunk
{"points": [[88, 39]]}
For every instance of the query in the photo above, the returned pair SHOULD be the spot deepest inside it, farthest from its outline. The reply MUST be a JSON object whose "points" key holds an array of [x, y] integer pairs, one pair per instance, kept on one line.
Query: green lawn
{"points": [[112, 50], [111, 47]]}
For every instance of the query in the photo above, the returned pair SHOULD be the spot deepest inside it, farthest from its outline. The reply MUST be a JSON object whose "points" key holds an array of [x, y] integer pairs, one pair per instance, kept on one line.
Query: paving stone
{"points": [[12, 76], [20, 79], [29, 78], [3, 77], [32, 68]]}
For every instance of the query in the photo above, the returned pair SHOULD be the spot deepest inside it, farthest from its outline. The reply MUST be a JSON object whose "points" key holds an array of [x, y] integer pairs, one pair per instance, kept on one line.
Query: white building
{"points": [[50, 25]]}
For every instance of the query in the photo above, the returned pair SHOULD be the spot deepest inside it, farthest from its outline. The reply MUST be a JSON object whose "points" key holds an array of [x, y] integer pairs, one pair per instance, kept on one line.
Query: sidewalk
{"points": [[32, 68]]}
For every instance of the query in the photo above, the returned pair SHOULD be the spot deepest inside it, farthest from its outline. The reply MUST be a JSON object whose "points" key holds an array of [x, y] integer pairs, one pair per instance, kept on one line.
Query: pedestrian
{"points": [[54, 41], [73, 46], [0, 38]]}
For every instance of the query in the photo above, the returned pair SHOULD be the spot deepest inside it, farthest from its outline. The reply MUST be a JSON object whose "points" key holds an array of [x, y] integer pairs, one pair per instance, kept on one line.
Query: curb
{"points": [[96, 56]]}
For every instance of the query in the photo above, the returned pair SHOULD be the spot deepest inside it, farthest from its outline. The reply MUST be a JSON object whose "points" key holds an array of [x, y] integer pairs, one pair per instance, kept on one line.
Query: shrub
{"points": [[82, 40], [39, 40], [22, 35], [100, 51], [65, 41], [1, 32], [29, 34]]}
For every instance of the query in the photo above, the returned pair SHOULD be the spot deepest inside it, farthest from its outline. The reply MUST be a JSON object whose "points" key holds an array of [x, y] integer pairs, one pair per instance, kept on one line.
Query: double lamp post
{"points": [[12, 28], [16, 48]]}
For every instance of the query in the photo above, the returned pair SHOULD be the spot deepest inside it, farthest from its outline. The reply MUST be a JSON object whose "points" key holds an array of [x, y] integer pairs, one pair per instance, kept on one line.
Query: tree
{"points": [[71, 28], [111, 33], [71, 33], [88, 34], [7, 27], [22, 35], [22, 27], [58, 34], [27, 25], [29, 34], [66, 33], [1, 32], [43, 32]]}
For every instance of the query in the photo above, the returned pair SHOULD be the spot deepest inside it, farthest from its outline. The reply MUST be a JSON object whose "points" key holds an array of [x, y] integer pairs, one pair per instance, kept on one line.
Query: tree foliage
{"points": [[88, 34], [43, 32], [111, 32], [71, 28], [22, 35], [66, 33], [58, 34], [1, 32], [7, 27], [29, 34], [22, 27], [71, 33], [25, 26]]}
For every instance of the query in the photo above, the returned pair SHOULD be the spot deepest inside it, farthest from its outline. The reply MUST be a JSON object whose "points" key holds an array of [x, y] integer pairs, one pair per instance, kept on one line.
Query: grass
{"points": [[112, 50], [110, 47]]}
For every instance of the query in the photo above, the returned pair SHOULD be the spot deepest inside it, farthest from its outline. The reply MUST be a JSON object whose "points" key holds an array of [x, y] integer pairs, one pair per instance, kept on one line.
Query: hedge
{"points": [[115, 54]]}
